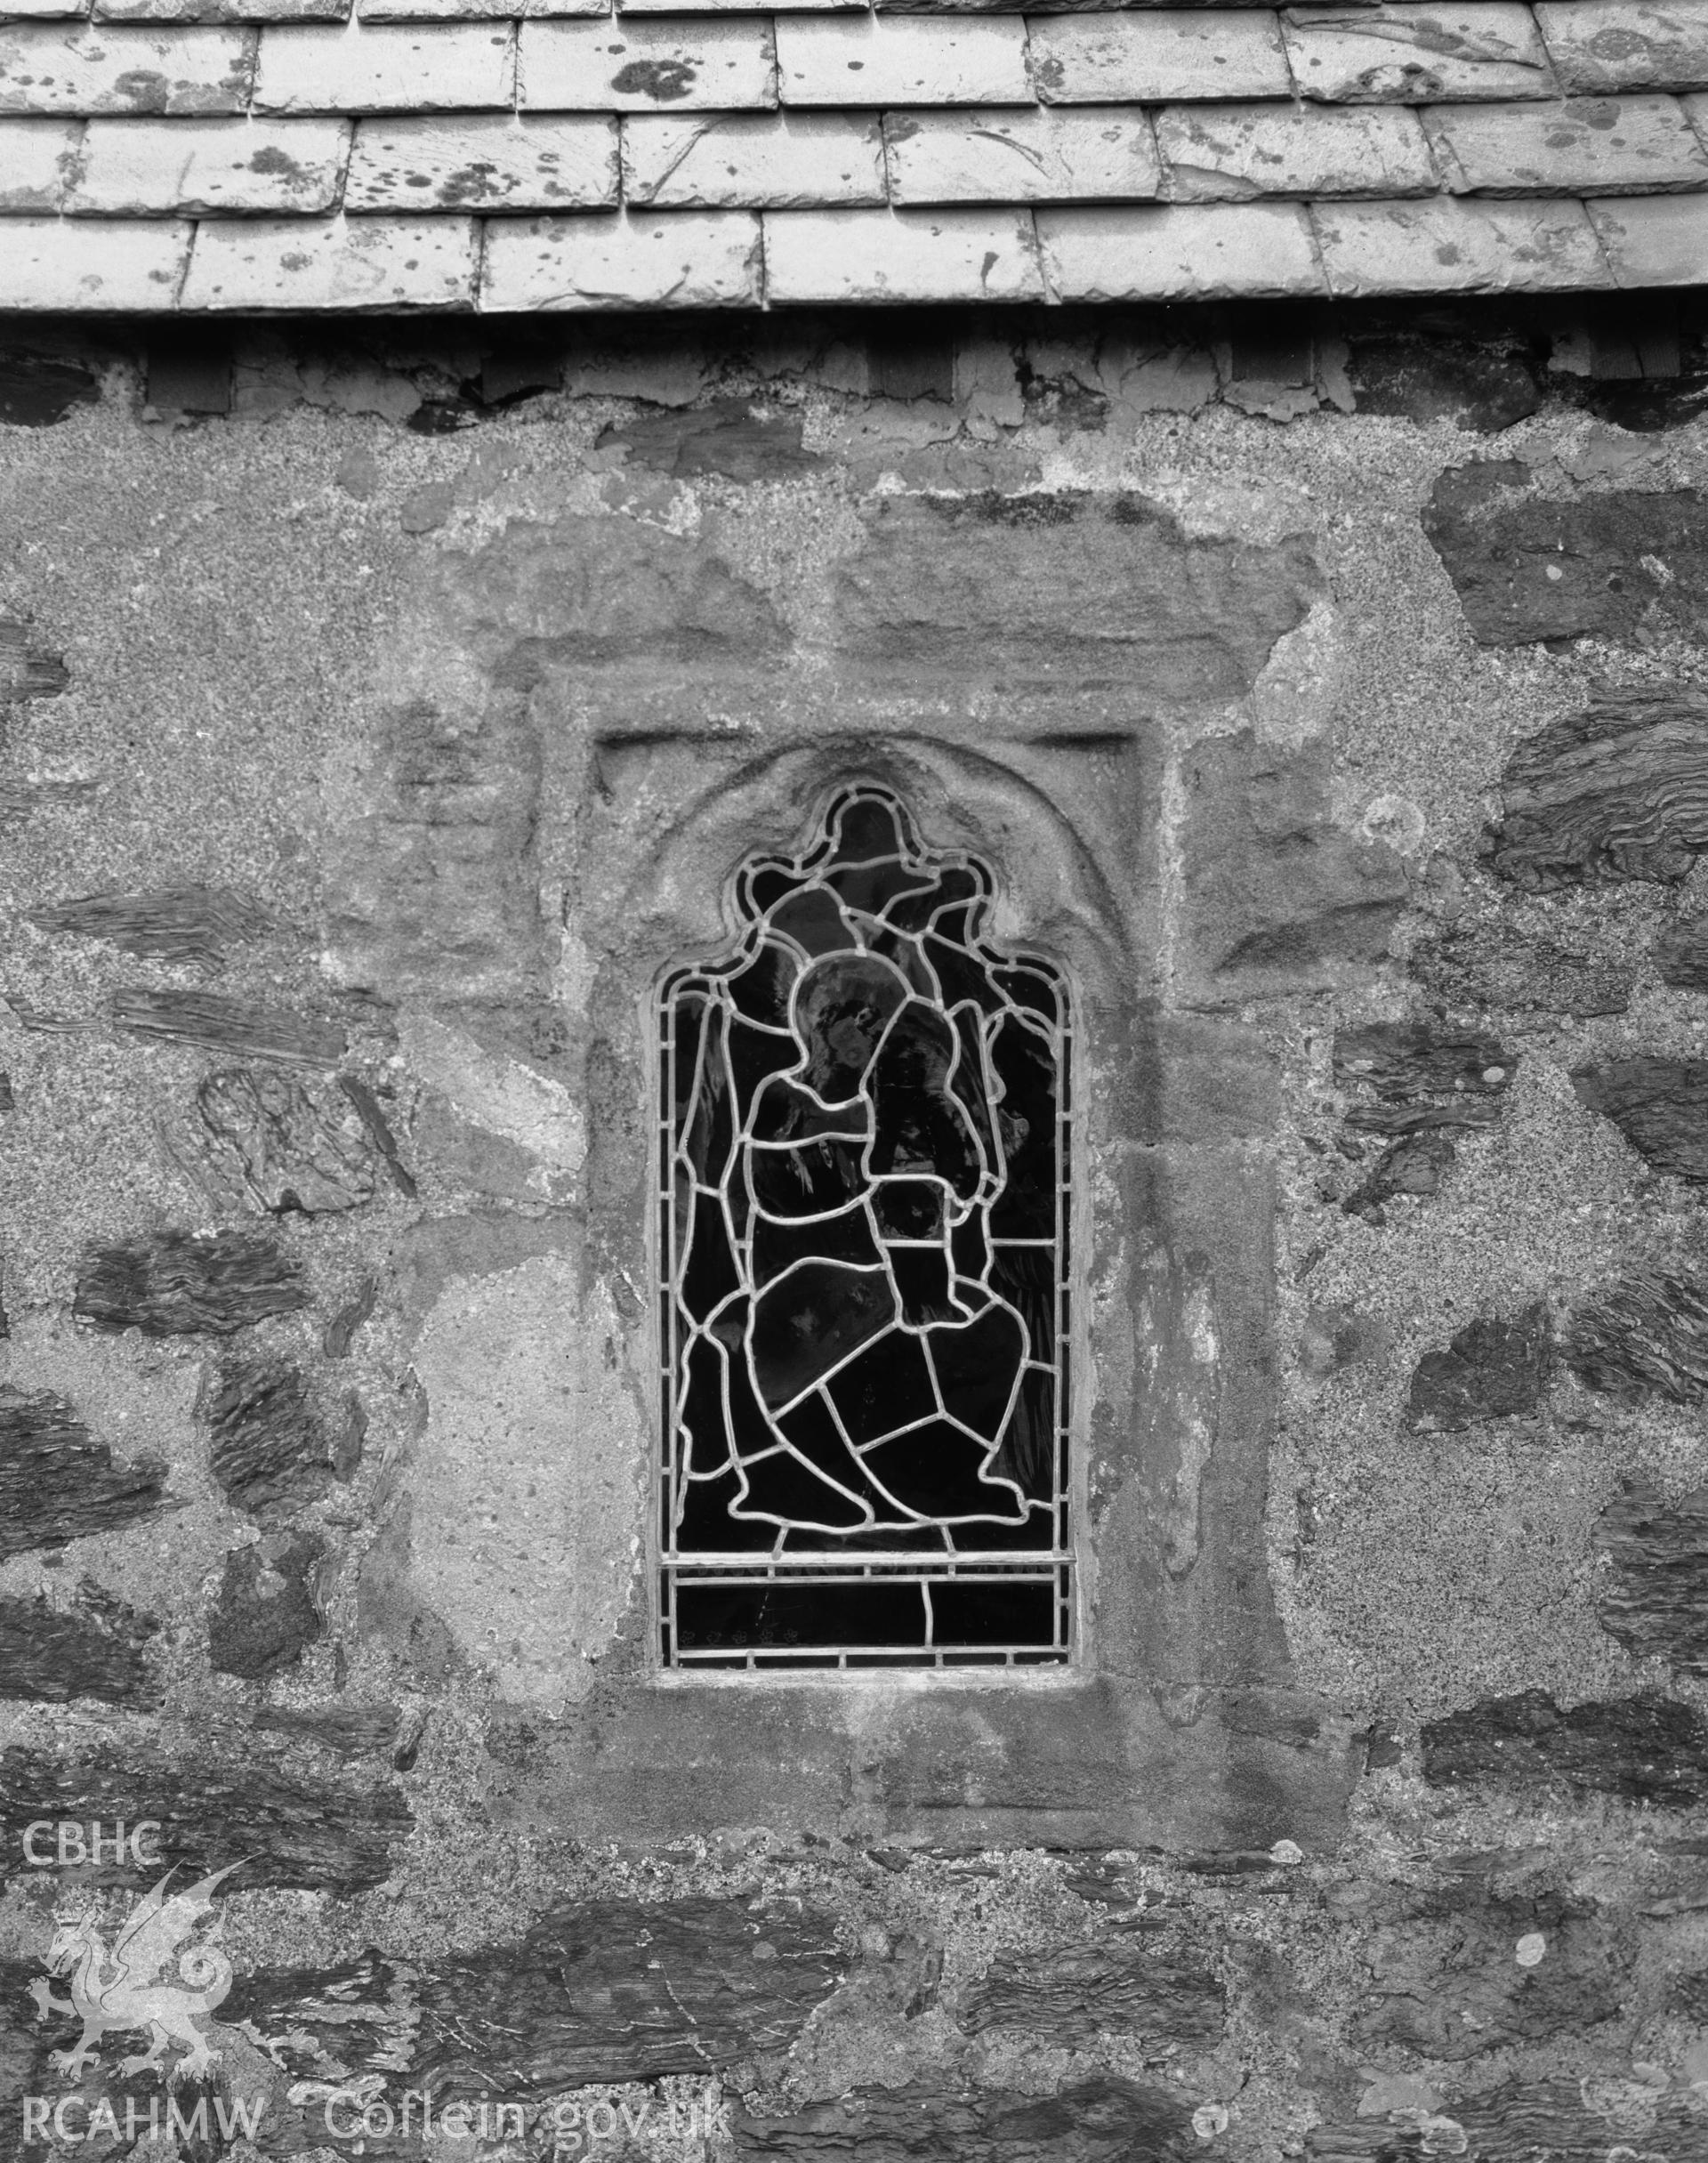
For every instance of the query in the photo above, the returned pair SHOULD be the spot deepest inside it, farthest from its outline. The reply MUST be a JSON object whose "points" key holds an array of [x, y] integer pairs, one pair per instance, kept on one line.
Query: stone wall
{"points": [[382, 714]]}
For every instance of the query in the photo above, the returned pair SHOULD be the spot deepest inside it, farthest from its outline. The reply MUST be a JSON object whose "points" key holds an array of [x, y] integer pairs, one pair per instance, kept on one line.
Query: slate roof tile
{"points": [[57, 265], [1056, 154], [1149, 57], [208, 168], [46, 68], [864, 60], [1448, 245], [884, 256], [285, 264], [1653, 240], [385, 68], [654, 260], [677, 63], [1181, 251], [1219, 153], [1604, 46], [555, 154], [221, 11], [483, 162], [1580, 146], [753, 161], [37, 160], [1415, 53]]}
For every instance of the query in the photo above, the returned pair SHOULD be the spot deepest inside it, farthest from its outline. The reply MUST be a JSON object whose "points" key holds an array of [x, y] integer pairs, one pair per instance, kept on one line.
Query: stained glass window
{"points": [[864, 1213]]}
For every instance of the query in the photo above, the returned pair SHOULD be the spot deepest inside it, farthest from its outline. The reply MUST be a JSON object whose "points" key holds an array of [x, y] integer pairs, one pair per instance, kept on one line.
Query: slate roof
{"points": [[525, 155]]}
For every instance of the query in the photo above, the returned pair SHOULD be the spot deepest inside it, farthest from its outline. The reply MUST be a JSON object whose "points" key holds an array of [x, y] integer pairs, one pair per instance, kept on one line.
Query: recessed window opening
{"points": [[864, 1221]]}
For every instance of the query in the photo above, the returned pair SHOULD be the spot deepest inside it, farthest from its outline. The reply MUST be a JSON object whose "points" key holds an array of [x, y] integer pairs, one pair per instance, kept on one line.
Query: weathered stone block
{"points": [[1491, 1370], [266, 1616], [1653, 1595], [35, 156], [1645, 1335], [180, 1283], [1600, 46], [614, 1991], [1493, 963], [1529, 568], [348, 1731], [1066, 585], [1416, 1164], [1447, 1985], [1476, 389], [1659, 1105], [1275, 894], [275, 1147], [57, 1483], [1074, 1992], [437, 893], [1680, 953], [28, 669], [1645, 1749], [293, 1832], [200, 924], [216, 1021], [726, 437], [95, 1649], [1617, 792], [269, 1451], [1405, 1075]]}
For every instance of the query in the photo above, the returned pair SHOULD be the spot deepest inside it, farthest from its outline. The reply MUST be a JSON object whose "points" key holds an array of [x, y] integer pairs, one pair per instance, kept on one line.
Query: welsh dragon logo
{"points": [[157, 1975]]}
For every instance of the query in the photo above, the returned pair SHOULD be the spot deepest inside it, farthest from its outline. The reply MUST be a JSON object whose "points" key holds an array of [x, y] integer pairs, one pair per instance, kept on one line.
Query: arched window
{"points": [[864, 1221]]}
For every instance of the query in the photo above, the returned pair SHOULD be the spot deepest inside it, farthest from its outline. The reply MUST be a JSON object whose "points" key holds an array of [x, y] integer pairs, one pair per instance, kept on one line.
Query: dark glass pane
{"points": [[762, 990], [787, 1490], [708, 1524], [709, 1275], [935, 1470], [813, 921], [1026, 1113], [809, 1322], [1034, 1531], [977, 1368], [888, 1386], [1028, 1450], [711, 1615], [1025, 1277], [1001, 1612], [778, 1247], [867, 827]]}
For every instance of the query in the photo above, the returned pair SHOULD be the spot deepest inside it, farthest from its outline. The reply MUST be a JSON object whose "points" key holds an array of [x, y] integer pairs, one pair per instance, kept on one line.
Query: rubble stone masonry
{"points": [[382, 713]]}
